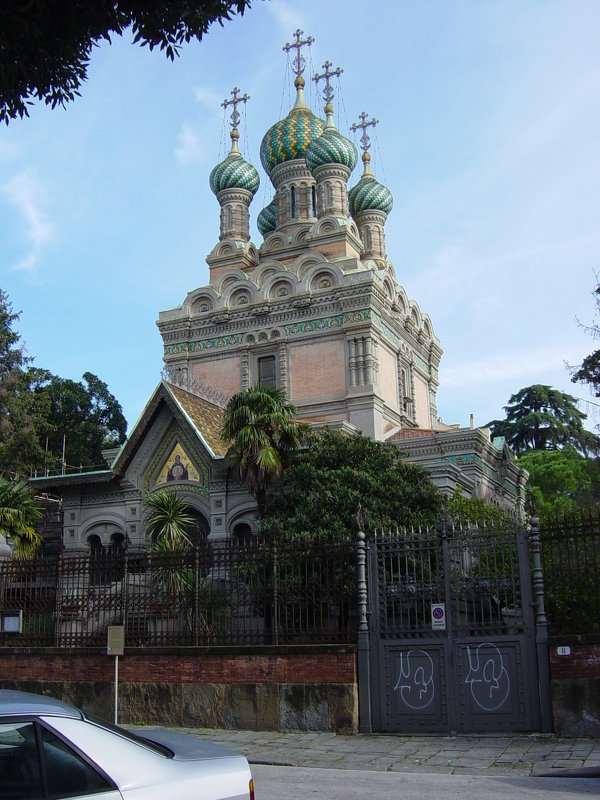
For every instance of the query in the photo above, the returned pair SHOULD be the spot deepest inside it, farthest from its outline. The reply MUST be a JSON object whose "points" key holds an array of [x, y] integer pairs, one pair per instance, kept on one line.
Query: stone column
{"points": [[352, 361]]}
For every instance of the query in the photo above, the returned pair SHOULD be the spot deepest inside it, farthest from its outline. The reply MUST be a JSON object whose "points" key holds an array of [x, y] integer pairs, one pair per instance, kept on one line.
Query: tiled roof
{"points": [[412, 433], [206, 418]]}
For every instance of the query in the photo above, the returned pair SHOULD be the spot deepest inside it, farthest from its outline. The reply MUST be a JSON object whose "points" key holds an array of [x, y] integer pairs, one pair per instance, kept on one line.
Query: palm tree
{"points": [[168, 524], [19, 511], [168, 521], [262, 432]]}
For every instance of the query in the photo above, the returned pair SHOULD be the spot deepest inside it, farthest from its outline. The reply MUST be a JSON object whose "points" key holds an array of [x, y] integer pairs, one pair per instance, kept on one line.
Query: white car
{"points": [[50, 749]]}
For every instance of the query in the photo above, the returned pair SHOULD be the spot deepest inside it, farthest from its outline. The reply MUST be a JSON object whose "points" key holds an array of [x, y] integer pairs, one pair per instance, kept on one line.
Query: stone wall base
{"points": [[575, 669], [255, 707], [576, 707]]}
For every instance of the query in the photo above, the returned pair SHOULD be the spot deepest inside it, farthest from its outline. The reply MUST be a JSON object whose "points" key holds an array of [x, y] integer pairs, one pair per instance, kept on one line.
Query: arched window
{"points": [[314, 201], [293, 201], [117, 543], [95, 545], [242, 535]]}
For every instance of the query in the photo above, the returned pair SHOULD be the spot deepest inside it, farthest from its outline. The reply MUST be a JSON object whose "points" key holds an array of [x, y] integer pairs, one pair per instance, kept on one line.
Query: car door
{"points": [[36, 764]]}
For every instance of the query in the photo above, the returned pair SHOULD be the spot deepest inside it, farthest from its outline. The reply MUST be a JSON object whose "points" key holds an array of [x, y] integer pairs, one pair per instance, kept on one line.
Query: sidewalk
{"points": [[533, 754]]}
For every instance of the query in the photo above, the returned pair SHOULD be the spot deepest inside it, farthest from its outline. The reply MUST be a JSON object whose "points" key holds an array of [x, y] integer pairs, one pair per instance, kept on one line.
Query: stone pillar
{"points": [[352, 361], [541, 627], [360, 361], [245, 371], [369, 371], [283, 369]]}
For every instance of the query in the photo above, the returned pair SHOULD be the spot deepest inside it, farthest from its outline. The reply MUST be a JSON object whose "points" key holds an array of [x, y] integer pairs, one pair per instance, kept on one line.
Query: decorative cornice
{"points": [[217, 343], [101, 499], [327, 323]]}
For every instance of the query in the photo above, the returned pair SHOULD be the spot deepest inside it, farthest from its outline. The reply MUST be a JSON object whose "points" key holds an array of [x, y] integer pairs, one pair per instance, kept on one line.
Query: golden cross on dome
{"points": [[235, 114], [326, 76], [299, 63], [363, 125]]}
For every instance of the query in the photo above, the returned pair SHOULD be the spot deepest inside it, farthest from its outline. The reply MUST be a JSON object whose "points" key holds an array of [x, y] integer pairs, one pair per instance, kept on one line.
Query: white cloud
{"points": [[208, 97], [288, 17], [188, 149], [24, 194]]}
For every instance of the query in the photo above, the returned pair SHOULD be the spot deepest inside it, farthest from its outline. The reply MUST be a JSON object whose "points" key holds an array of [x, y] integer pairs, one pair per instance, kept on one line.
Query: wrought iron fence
{"points": [[474, 571], [262, 592], [571, 566]]}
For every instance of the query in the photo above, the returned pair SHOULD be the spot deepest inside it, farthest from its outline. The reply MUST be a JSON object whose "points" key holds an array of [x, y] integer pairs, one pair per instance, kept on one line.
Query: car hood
{"points": [[185, 746]]}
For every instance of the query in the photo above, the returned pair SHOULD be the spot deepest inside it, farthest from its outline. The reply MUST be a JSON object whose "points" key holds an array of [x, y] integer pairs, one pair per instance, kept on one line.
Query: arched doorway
{"points": [[200, 527], [242, 535]]}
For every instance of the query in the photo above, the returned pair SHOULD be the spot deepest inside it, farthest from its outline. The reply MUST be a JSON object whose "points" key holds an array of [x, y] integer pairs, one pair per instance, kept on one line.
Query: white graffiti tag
{"points": [[415, 680], [488, 677]]}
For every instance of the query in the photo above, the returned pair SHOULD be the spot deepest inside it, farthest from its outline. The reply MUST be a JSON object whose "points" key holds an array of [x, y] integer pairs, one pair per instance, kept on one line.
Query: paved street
{"points": [[290, 783], [467, 755]]}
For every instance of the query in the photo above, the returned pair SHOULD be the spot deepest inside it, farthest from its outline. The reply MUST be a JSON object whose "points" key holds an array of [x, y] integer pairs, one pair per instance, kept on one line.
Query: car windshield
{"points": [[161, 749]]}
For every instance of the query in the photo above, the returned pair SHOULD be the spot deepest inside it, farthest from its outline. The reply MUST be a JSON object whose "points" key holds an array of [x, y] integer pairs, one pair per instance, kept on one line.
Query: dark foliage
{"points": [[539, 417], [330, 478], [38, 408], [46, 45]]}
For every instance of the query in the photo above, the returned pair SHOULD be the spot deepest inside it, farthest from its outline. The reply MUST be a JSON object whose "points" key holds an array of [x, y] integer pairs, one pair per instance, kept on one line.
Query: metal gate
{"points": [[452, 633]]}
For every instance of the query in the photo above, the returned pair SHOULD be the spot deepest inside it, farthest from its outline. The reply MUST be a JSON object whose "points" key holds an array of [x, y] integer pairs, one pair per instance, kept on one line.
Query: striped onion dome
{"points": [[331, 148], [234, 172], [289, 138], [266, 219], [369, 193]]}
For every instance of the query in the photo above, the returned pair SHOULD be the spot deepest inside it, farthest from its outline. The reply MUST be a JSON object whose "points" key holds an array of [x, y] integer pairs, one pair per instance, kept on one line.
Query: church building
{"points": [[315, 310]]}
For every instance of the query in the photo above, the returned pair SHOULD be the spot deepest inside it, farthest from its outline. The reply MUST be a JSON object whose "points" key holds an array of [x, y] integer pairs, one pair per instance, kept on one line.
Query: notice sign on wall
{"points": [[438, 616]]}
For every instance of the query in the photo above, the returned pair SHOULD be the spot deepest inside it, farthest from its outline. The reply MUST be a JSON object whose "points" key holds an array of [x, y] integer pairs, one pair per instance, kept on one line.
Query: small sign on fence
{"points": [[116, 640], [115, 646], [11, 621], [438, 616]]}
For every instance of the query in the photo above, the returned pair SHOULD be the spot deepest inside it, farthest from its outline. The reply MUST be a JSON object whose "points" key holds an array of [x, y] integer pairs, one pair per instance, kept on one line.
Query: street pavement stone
{"points": [[517, 755]]}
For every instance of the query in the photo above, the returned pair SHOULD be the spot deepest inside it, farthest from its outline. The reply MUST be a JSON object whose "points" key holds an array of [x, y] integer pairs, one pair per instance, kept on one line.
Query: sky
{"points": [[488, 139]]}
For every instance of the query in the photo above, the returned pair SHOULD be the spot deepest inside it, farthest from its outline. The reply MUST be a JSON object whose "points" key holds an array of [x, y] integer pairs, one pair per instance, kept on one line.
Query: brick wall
{"points": [[178, 668], [575, 687], [318, 369], [223, 373], [582, 662], [305, 690]]}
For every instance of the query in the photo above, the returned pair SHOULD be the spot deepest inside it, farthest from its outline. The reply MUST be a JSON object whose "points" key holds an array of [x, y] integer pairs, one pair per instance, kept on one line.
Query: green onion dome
{"points": [[234, 172], [331, 148], [289, 138], [368, 193], [266, 219]]}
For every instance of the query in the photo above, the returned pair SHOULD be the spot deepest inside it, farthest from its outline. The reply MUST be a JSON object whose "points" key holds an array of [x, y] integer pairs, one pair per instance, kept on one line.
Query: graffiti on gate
{"points": [[415, 681], [488, 678]]}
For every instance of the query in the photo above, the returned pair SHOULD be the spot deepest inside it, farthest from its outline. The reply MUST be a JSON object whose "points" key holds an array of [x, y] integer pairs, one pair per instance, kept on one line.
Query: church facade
{"points": [[316, 310]]}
